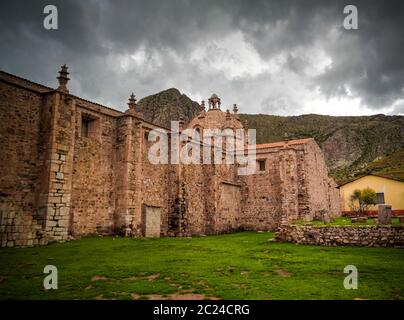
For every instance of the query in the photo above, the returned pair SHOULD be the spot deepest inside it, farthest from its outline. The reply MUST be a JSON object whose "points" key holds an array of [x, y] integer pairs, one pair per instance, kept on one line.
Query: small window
{"points": [[146, 135], [261, 165], [89, 126], [85, 123], [197, 135], [380, 198]]}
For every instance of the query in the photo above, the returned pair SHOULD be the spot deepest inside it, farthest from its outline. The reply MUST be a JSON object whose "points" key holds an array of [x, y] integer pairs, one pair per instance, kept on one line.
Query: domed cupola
{"points": [[215, 118]]}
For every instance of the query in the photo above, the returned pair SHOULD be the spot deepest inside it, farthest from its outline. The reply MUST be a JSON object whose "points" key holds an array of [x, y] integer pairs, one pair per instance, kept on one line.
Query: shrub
{"points": [[361, 200]]}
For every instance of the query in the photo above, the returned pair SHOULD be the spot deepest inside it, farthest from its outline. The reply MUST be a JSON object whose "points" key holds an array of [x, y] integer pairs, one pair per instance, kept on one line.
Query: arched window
{"points": [[197, 134]]}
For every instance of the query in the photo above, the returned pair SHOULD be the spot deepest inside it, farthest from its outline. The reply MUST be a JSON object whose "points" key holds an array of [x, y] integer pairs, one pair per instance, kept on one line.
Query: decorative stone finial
{"points": [[63, 79], [132, 102], [214, 102], [235, 109], [202, 114], [133, 106]]}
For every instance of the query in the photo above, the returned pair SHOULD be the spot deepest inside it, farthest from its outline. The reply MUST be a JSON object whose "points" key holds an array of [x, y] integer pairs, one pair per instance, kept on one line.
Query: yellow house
{"points": [[388, 191]]}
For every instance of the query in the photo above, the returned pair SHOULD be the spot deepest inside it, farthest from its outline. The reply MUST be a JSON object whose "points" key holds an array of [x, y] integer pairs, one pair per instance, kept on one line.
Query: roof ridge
{"points": [[367, 175], [25, 79], [53, 89]]}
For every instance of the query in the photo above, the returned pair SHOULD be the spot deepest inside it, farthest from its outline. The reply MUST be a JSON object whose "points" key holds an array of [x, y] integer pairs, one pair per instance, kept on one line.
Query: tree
{"points": [[361, 200]]}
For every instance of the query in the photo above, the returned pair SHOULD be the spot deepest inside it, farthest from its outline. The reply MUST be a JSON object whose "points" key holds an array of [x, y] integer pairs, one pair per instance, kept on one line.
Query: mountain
{"points": [[167, 105], [391, 166], [350, 144], [353, 146]]}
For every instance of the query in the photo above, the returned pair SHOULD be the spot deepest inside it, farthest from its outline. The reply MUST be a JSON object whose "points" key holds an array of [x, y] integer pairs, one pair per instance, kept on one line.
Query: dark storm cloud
{"points": [[115, 47], [370, 60]]}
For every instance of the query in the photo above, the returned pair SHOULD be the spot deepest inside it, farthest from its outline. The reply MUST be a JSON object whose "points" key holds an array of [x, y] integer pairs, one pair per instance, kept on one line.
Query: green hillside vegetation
{"points": [[391, 167], [350, 144], [272, 128]]}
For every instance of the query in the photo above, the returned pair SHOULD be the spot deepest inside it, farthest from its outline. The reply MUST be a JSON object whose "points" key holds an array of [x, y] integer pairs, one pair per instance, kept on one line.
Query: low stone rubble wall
{"points": [[372, 236]]}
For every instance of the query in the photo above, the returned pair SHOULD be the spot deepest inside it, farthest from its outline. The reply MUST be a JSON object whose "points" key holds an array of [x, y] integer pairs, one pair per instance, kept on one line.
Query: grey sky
{"points": [[277, 57]]}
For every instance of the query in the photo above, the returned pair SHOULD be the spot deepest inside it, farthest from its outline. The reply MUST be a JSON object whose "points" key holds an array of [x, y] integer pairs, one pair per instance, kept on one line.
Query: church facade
{"points": [[71, 167]]}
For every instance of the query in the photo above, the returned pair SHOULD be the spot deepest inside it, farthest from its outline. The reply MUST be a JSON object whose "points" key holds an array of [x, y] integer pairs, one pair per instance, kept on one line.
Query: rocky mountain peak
{"points": [[168, 105]]}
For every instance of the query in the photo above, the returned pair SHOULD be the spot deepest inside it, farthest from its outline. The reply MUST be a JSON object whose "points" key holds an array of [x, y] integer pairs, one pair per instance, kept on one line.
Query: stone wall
{"points": [[55, 197], [294, 185], [323, 195], [157, 183], [20, 159], [372, 236], [93, 183], [125, 177], [59, 182], [18, 228], [228, 202], [194, 212], [261, 210], [23, 142], [212, 199]]}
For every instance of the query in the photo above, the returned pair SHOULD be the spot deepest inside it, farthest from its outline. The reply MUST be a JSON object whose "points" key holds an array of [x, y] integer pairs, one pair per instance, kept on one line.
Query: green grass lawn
{"points": [[345, 221], [245, 265]]}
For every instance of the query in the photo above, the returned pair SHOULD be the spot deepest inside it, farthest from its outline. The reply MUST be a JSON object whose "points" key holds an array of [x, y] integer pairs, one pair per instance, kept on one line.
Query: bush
{"points": [[361, 200]]}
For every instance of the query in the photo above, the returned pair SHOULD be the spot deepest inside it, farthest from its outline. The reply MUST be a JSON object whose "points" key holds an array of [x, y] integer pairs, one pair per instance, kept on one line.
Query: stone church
{"points": [[71, 167]]}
